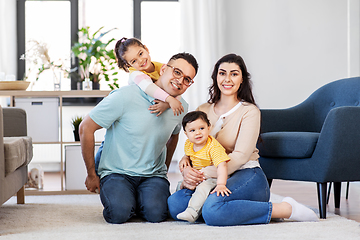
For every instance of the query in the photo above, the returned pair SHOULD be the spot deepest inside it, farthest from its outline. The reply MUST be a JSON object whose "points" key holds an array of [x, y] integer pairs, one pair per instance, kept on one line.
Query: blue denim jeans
{"points": [[98, 156], [124, 196], [247, 204]]}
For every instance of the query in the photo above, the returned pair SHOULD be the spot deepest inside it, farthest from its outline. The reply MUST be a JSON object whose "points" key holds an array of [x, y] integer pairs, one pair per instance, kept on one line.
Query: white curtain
{"points": [[8, 55], [203, 33]]}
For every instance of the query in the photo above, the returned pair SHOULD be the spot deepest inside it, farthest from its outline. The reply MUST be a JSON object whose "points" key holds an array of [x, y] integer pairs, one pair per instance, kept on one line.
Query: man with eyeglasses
{"points": [[178, 74], [138, 146]]}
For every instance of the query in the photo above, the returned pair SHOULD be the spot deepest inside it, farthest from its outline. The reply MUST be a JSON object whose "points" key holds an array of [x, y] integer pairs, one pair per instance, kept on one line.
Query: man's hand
{"points": [[92, 183]]}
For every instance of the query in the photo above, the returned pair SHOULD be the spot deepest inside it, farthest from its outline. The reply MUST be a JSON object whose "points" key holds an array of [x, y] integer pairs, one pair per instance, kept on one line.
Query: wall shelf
{"points": [[61, 95]]}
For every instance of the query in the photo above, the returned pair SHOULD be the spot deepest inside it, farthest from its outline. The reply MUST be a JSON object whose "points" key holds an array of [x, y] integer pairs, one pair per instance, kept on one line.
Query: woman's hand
{"points": [[192, 178]]}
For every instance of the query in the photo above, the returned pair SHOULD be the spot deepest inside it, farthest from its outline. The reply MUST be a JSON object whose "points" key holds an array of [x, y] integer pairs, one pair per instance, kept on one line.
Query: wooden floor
{"points": [[303, 192], [306, 193]]}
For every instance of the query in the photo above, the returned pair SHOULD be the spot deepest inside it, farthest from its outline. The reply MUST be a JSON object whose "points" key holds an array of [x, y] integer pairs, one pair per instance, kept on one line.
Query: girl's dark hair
{"points": [[193, 116], [120, 49], [245, 90]]}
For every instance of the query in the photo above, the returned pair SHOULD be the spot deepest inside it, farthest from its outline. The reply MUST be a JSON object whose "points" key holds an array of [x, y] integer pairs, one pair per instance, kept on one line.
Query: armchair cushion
{"points": [[288, 144], [18, 152]]}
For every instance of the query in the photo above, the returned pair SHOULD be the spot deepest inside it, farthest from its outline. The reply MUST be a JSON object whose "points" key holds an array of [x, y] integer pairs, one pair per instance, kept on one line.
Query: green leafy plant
{"points": [[76, 122], [95, 61]]}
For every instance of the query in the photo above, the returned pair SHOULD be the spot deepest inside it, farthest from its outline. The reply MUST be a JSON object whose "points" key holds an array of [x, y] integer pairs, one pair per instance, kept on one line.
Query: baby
{"points": [[203, 150]]}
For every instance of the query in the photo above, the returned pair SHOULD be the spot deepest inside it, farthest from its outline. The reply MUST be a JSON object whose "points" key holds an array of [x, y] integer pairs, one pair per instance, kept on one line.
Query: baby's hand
{"points": [[221, 189], [159, 107], [175, 105], [184, 162]]}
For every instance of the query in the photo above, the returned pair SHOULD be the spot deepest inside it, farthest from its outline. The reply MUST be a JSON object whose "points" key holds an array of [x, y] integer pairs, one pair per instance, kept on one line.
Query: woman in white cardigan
{"points": [[235, 121]]}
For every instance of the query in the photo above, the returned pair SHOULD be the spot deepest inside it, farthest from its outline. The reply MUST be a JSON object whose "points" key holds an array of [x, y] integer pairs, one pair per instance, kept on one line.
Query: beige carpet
{"points": [[80, 217]]}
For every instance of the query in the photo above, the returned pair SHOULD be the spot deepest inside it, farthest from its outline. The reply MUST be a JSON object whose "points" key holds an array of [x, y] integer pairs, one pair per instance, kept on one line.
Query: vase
{"points": [[96, 85], [95, 81], [57, 80], [76, 135], [87, 84]]}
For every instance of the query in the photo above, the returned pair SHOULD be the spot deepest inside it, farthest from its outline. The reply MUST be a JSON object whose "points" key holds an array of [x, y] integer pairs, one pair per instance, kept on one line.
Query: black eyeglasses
{"points": [[177, 73]]}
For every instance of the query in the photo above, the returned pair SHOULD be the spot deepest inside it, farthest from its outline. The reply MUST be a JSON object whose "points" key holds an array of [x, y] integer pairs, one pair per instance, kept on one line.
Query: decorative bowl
{"points": [[14, 85]]}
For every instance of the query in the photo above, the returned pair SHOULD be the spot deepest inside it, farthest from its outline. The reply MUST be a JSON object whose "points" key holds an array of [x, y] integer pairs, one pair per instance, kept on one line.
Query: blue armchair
{"points": [[316, 141]]}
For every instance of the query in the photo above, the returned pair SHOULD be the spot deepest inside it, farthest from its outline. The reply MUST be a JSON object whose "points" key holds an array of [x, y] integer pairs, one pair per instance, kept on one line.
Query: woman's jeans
{"points": [[124, 196], [247, 203]]}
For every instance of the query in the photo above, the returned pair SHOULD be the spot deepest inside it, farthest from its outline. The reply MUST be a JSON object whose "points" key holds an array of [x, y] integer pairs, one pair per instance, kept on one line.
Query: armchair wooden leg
{"points": [[337, 193], [347, 190], [328, 194], [321, 189], [21, 196]]}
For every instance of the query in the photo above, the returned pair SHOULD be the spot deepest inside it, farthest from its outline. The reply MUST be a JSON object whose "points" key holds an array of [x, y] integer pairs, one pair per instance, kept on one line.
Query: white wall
{"points": [[293, 47]]}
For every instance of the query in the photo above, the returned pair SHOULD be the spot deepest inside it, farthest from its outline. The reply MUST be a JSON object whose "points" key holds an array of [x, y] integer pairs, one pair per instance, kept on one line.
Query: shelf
{"points": [[61, 95], [64, 94]]}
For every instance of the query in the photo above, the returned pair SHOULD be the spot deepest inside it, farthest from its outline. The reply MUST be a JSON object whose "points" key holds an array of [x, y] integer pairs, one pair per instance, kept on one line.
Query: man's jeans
{"points": [[124, 196], [97, 157]]}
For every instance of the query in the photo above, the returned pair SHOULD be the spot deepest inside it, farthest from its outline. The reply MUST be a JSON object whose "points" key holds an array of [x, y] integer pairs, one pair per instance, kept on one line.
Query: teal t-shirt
{"points": [[135, 140]]}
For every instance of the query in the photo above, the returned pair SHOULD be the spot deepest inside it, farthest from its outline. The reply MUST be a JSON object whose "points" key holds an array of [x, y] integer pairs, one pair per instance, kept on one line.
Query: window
{"points": [[60, 20], [57, 22], [109, 14], [51, 27]]}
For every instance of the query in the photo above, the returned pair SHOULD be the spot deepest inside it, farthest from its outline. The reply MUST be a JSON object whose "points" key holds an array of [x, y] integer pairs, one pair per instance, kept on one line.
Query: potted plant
{"points": [[76, 123], [37, 56], [95, 61]]}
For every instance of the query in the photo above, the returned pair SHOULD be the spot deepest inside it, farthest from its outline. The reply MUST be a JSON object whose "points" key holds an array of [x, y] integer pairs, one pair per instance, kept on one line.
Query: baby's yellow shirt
{"points": [[211, 154]]}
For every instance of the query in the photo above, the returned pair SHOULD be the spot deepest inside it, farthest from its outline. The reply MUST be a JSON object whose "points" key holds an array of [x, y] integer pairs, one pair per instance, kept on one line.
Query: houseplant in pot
{"points": [[38, 58], [96, 60], [76, 123]]}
